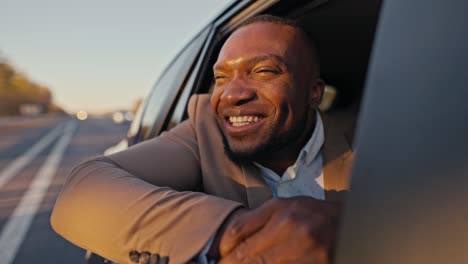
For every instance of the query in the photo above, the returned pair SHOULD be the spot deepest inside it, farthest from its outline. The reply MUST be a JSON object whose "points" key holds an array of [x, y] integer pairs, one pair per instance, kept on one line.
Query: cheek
{"points": [[281, 97], [290, 106], [215, 98], [282, 107]]}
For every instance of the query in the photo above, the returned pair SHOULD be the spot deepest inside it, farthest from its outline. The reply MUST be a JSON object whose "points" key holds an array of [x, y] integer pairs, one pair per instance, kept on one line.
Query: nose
{"points": [[238, 93]]}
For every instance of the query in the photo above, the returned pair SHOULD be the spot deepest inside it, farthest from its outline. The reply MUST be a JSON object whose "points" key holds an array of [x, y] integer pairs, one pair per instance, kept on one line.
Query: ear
{"points": [[316, 92]]}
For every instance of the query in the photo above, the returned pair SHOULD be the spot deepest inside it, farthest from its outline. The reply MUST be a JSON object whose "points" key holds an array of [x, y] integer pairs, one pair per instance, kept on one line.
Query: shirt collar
{"points": [[313, 146], [307, 154]]}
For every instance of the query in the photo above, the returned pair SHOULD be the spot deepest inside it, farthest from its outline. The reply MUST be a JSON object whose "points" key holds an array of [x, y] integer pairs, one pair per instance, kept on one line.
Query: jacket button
{"points": [[154, 259], [134, 256], [164, 260], [144, 257]]}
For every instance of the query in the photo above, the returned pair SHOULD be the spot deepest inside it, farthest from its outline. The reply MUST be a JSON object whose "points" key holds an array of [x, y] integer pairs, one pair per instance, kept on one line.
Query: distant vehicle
{"points": [[122, 117], [31, 109], [82, 115]]}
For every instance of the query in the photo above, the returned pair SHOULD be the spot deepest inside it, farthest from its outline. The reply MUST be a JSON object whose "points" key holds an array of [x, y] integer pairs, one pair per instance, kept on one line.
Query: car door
{"points": [[410, 179]]}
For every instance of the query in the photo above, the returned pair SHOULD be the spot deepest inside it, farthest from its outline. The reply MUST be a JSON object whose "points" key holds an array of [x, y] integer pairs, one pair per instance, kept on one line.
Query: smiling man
{"points": [[267, 90], [203, 191]]}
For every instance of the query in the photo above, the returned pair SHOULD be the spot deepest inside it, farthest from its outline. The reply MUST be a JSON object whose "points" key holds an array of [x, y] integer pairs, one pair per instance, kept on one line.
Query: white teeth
{"points": [[238, 121], [239, 124]]}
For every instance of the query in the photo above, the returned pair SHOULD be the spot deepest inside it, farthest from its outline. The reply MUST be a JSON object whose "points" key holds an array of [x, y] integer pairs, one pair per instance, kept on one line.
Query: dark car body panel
{"points": [[409, 195]]}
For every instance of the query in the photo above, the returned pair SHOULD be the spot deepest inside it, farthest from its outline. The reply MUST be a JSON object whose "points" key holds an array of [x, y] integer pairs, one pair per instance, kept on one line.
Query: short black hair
{"points": [[272, 19], [308, 36]]}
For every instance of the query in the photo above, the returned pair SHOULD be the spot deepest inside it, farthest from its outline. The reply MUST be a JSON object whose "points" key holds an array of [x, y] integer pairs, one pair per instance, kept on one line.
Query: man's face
{"points": [[265, 88]]}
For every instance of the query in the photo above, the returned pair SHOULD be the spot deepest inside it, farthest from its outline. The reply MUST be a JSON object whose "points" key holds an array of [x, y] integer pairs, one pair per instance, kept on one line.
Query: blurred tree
{"points": [[16, 89]]}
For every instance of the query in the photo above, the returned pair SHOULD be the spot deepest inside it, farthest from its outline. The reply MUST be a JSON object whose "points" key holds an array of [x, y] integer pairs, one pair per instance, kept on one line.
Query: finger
{"points": [[279, 237], [276, 253], [237, 255], [249, 249], [281, 254], [244, 226]]}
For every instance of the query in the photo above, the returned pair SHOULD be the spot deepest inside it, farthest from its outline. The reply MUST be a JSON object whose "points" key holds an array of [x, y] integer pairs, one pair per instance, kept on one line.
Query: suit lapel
{"points": [[257, 189]]}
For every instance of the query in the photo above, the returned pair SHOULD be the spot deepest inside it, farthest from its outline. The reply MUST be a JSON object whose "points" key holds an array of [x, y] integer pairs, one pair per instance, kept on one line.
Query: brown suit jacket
{"points": [[170, 194]]}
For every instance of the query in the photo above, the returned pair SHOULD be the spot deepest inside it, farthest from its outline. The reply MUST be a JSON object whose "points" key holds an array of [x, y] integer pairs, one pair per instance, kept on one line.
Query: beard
{"points": [[273, 144]]}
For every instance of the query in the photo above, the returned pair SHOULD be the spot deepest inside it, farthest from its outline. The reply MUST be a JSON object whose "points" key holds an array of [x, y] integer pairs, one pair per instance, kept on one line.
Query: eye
{"points": [[272, 69], [266, 72], [219, 78], [219, 75]]}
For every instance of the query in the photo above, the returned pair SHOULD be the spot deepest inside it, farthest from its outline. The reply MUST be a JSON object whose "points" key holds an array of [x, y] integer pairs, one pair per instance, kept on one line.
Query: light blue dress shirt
{"points": [[304, 177]]}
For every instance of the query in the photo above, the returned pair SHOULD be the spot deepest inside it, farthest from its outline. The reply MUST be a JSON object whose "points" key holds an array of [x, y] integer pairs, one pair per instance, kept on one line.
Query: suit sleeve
{"points": [[142, 199]]}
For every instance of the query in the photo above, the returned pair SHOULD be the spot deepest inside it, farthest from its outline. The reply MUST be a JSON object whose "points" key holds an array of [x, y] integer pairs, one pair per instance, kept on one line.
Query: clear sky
{"points": [[98, 55]]}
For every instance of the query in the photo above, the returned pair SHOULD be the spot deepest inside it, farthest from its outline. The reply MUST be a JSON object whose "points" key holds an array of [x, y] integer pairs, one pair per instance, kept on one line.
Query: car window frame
{"points": [[159, 118]]}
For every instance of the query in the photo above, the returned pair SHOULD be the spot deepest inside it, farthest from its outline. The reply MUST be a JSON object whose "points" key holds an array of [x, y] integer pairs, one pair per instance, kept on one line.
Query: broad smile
{"points": [[239, 121], [243, 125]]}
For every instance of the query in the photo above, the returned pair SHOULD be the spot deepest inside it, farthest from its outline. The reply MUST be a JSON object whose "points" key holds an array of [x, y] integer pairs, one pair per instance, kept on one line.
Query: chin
{"points": [[244, 151]]}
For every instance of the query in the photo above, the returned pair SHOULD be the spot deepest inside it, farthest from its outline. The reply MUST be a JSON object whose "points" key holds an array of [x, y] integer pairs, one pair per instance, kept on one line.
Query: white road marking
{"points": [[20, 221], [23, 160]]}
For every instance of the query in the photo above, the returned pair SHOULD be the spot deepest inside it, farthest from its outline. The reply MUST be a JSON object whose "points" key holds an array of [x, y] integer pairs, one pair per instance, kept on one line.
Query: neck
{"points": [[280, 159]]}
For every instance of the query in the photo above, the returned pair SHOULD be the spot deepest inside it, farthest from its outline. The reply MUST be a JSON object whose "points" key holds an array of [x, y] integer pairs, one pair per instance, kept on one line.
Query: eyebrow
{"points": [[274, 57], [258, 59]]}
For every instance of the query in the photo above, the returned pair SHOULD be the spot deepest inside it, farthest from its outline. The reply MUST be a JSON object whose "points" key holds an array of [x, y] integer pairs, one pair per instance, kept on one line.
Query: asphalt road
{"points": [[36, 155]]}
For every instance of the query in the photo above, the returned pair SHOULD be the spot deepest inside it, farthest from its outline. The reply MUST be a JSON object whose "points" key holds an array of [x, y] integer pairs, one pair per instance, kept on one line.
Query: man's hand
{"points": [[293, 230]]}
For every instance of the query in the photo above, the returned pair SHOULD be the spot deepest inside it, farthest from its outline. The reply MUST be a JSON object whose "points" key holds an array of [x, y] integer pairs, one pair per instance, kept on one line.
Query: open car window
{"points": [[344, 33]]}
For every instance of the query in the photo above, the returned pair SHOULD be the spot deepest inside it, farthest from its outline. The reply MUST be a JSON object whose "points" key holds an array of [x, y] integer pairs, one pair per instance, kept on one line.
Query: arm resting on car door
{"points": [[141, 199]]}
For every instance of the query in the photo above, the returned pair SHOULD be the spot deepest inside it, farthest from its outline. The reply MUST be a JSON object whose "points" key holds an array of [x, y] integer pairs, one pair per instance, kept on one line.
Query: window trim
{"points": [[155, 129]]}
